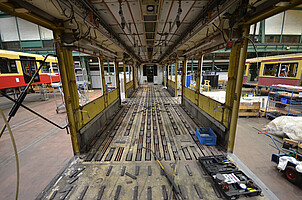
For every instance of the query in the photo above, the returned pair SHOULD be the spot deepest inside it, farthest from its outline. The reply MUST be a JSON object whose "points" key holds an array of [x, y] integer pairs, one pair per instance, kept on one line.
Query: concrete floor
{"points": [[255, 151], [44, 150]]}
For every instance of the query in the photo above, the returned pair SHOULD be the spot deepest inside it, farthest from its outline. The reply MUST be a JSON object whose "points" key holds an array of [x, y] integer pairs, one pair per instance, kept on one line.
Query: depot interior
{"points": [[145, 99]]}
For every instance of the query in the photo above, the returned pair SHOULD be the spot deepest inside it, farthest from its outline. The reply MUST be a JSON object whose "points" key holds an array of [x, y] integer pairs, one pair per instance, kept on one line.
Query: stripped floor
{"points": [[119, 166]]}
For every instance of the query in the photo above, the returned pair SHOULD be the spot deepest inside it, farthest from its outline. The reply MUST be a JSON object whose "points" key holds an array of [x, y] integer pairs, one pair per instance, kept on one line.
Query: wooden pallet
{"points": [[249, 109], [38, 88], [294, 142]]}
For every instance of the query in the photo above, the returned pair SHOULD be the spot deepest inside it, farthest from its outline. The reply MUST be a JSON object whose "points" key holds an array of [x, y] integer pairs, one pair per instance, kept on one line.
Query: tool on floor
{"points": [[289, 163], [175, 188]]}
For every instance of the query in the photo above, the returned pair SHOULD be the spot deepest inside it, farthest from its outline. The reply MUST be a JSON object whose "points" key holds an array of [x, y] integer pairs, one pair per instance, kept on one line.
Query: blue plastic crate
{"points": [[206, 136], [283, 100]]}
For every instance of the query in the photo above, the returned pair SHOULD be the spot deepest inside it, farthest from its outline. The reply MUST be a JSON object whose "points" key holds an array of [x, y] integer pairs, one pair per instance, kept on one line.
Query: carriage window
{"points": [[55, 68], [288, 69], [8, 66], [28, 65], [45, 68], [270, 69]]}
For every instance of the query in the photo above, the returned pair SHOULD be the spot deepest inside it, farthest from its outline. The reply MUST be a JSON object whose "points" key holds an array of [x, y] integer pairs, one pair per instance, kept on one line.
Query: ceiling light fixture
{"points": [[150, 8]]}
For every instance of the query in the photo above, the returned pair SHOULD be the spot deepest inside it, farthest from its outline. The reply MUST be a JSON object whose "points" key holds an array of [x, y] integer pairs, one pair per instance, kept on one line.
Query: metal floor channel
{"points": [[119, 167]]}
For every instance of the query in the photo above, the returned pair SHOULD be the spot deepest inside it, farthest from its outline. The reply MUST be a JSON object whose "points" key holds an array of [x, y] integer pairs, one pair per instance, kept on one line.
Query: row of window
{"points": [[280, 69], [29, 66]]}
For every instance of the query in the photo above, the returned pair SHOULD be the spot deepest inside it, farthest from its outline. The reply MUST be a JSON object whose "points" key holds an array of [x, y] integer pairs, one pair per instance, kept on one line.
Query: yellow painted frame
{"points": [[129, 84], [205, 103], [96, 106]]}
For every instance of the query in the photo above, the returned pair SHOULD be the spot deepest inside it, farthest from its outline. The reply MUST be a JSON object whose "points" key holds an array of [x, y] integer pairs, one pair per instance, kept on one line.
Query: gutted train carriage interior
{"points": [[148, 43]]}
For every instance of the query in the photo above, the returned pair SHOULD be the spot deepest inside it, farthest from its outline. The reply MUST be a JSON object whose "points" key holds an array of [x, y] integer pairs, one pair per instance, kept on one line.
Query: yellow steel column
{"points": [[184, 79], [231, 86], [69, 88], [197, 86], [135, 75], [125, 81], [165, 75], [176, 69], [239, 80], [104, 81], [117, 77]]}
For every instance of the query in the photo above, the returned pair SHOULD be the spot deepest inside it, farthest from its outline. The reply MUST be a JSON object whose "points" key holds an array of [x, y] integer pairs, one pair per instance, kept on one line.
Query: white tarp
{"points": [[283, 163], [286, 126]]}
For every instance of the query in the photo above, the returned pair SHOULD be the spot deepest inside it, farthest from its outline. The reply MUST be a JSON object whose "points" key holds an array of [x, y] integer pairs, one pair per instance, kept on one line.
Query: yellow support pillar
{"points": [[239, 80], [184, 79], [104, 81], [117, 77], [231, 86], [165, 75], [71, 97], [125, 81], [135, 79], [197, 86], [176, 69]]}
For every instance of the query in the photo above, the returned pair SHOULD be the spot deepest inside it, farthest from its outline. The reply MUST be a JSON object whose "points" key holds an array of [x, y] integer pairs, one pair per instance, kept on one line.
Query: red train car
{"points": [[17, 68], [273, 70]]}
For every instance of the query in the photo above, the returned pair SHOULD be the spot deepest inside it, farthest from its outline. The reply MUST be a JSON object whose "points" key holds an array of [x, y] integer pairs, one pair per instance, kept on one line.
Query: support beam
{"points": [[176, 69], [135, 79], [104, 81], [184, 79], [117, 78], [125, 81], [231, 86], [282, 27], [239, 80], [70, 89], [197, 87], [165, 75], [213, 62]]}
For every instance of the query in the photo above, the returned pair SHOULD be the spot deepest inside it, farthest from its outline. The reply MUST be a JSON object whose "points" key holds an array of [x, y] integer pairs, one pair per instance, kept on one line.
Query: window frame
{"points": [[10, 61]]}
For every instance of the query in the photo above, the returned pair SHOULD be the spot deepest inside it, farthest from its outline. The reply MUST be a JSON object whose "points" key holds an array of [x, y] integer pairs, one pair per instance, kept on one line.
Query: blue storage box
{"points": [[206, 136], [283, 100]]}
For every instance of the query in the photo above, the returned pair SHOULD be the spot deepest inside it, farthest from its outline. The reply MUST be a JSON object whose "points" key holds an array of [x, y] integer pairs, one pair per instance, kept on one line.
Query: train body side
{"points": [[279, 75], [16, 79]]}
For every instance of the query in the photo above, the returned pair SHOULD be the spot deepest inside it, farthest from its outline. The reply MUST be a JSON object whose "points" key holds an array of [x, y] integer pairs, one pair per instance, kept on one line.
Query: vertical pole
{"points": [[184, 78], [17, 25], [39, 30], [117, 78], [165, 75], [213, 62], [103, 81], [239, 80], [263, 31], [282, 27], [135, 75], [231, 85], [176, 69], [197, 91], [69, 88], [125, 81]]}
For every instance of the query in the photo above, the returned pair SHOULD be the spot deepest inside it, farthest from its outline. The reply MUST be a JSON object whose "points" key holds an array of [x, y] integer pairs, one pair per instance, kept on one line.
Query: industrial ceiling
{"points": [[147, 30]]}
